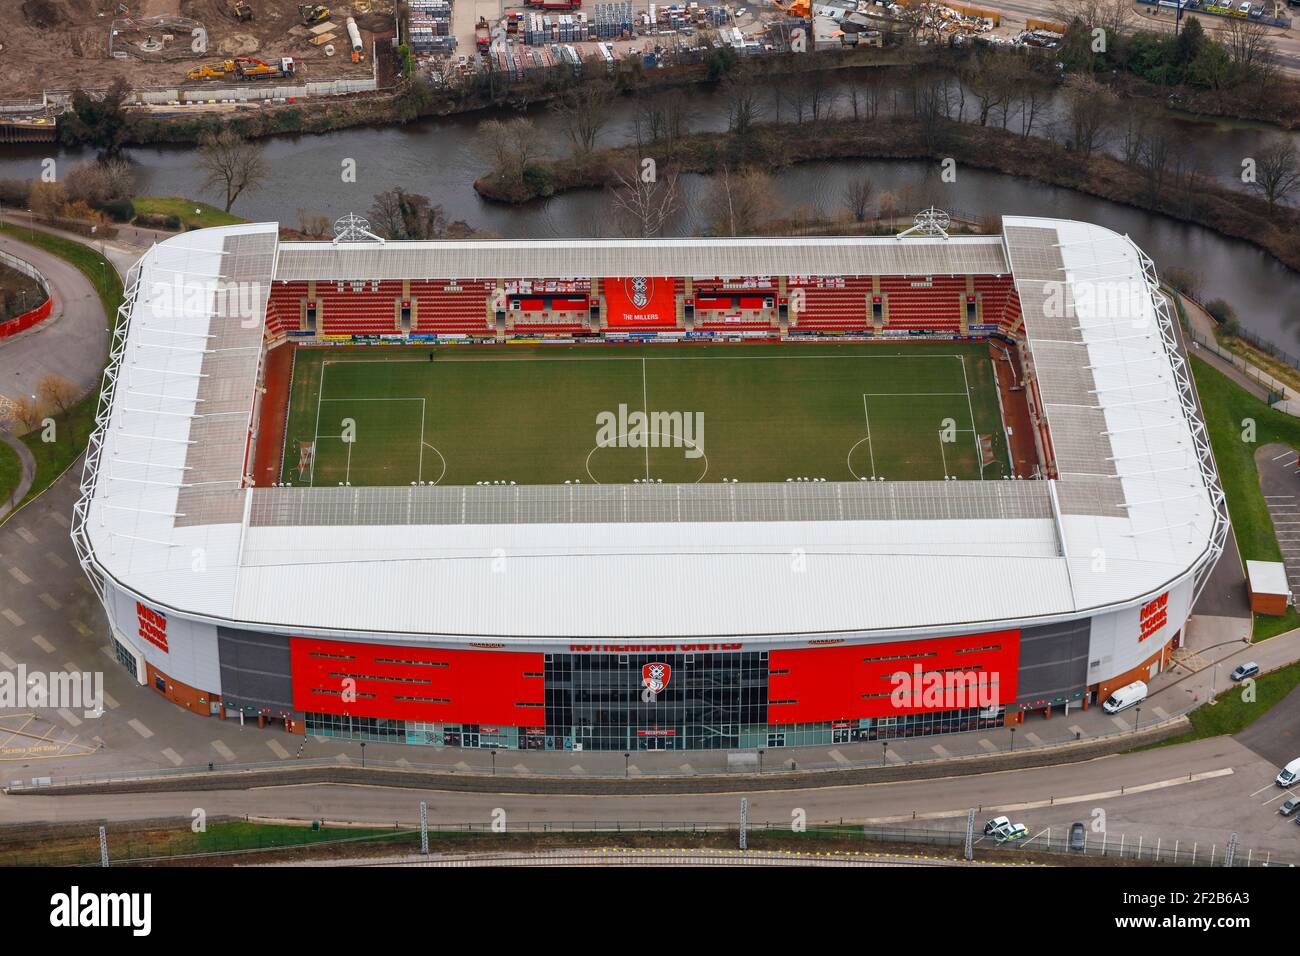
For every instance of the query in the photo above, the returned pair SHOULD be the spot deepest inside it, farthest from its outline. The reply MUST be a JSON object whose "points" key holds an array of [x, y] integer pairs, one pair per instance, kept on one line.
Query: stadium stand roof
{"points": [[592, 258], [1136, 508]]}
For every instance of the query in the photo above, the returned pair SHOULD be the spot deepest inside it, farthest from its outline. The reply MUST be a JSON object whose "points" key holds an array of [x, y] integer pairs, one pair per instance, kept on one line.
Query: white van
{"points": [[1125, 697], [1290, 774]]}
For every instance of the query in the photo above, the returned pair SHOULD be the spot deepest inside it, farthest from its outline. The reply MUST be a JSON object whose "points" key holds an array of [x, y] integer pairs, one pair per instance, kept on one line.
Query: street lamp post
{"points": [[1137, 718], [494, 762], [1013, 740], [363, 754], [760, 760], [884, 751], [627, 766]]}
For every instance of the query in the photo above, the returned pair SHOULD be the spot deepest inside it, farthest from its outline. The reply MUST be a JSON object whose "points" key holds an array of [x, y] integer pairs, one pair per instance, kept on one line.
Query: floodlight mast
{"points": [[928, 223], [353, 228]]}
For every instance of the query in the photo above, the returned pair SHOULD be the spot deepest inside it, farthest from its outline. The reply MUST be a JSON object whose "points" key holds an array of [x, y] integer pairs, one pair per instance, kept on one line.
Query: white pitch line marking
{"points": [[870, 449]]}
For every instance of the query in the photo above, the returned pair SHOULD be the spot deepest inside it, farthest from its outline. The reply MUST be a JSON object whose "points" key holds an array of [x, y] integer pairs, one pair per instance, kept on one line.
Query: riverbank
{"points": [[1170, 190]]}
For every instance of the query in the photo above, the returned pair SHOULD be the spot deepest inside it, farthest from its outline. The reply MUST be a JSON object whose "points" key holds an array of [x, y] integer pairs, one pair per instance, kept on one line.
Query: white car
{"points": [[1016, 831], [997, 823]]}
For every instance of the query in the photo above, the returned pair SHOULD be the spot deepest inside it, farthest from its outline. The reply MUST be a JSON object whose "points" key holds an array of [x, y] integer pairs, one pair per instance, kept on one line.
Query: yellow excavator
{"points": [[313, 13], [241, 11]]}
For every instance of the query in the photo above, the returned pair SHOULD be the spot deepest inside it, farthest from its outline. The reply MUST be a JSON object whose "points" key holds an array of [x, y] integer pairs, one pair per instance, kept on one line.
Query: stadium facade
{"points": [[646, 616]]}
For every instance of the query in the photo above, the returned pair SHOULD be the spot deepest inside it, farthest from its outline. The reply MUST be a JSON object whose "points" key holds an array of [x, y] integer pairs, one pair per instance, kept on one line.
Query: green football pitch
{"points": [[613, 414]]}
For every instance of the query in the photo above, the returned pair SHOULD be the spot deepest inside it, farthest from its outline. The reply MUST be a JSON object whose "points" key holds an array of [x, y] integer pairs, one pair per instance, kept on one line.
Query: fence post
{"points": [[103, 846]]}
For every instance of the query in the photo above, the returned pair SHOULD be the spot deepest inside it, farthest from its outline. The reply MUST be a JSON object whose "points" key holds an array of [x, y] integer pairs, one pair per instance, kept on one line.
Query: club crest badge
{"points": [[655, 676], [639, 291]]}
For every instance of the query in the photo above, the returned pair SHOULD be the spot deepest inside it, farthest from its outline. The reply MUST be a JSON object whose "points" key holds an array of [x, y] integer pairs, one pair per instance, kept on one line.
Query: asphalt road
{"points": [[72, 342], [1197, 793]]}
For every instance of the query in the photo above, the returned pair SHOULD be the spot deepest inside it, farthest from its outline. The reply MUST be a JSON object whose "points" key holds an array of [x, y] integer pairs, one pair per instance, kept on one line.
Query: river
{"points": [[440, 158]]}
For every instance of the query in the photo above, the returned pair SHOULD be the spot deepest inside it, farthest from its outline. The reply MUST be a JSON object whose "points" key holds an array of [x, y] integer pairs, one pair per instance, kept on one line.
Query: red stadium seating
{"points": [[845, 309], [915, 303]]}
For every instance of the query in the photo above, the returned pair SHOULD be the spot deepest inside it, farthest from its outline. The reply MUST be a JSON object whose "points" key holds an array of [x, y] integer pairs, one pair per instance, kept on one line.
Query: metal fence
{"points": [[280, 835]]}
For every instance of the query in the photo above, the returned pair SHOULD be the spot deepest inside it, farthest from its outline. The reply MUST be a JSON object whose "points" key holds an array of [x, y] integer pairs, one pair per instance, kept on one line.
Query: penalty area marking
{"points": [[348, 475]]}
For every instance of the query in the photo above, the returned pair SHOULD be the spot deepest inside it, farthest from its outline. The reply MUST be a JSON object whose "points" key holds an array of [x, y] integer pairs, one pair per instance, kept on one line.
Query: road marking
{"points": [[277, 748], [1160, 712], [69, 716], [1285, 454], [50, 601], [17, 575], [8, 661], [893, 756], [221, 748], [55, 560], [1060, 801], [110, 701], [1119, 722], [521, 769], [1077, 731], [839, 758], [12, 617], [463, 767], [988, 745], [576, 768], [139, 728], [173, 756], [941, 750], [686, 768], [43, 644], [26, 535]]}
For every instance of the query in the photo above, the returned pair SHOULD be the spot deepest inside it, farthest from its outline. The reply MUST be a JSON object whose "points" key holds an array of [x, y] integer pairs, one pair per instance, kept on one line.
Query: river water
{"points": [[440, 158]]}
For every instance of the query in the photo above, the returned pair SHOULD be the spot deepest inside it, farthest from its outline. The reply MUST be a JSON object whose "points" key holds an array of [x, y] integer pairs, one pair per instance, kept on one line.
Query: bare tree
{"points": [[744, 106], [46, 200], [27, 412], [57, 391], [1088, 105], [645, 200], [888, 208], [1248, 46], [740, 203], [511, 146], [1277, 170], [1113, 16], [857, 196], [583, 113], [232, 164], [397, 214], [314, 226]]}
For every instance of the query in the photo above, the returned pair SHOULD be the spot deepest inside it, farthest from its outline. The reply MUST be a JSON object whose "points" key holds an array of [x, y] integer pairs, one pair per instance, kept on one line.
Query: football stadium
{"points": [[647, 494]]}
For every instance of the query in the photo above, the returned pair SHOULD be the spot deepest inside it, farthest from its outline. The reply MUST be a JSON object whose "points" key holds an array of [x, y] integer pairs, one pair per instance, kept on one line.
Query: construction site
{"points": [[57, 45], [453, 38]]}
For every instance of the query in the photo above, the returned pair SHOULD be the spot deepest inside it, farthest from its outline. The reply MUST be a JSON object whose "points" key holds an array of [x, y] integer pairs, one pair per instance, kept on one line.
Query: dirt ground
{"points": [[62, 44]]}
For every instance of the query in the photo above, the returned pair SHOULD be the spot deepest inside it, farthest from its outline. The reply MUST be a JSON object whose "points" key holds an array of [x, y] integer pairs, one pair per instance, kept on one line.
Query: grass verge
{"points": [[1228, 411], [192, 213], [1230, 714], [71, 428], [11, 470]]}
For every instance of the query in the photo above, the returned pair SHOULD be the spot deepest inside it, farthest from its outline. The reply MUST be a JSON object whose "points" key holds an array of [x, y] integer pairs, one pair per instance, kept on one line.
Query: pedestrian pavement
{"points": [[72, 343]]}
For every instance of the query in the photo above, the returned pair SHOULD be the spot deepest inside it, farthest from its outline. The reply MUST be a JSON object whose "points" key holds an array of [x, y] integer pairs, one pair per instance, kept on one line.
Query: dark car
{"points": [[1242, 671], [1289, 807], [1078, 836]]}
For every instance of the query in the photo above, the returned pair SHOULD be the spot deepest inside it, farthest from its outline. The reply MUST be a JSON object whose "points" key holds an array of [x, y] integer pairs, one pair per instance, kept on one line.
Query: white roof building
{"points": [[166, 516]]}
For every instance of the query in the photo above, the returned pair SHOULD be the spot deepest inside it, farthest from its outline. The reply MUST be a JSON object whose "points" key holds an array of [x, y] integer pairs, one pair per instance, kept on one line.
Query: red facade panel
{"points": [[848, 682], [410, 683]]}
